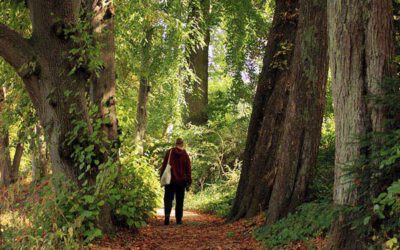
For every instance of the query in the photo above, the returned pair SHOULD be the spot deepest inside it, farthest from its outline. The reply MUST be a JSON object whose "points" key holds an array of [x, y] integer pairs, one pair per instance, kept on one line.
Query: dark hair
{"points": [[179, 141]]}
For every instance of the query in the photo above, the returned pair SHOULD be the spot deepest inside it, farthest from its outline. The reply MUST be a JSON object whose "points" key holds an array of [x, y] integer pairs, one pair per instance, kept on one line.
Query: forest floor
{"points": [[199, 231]]}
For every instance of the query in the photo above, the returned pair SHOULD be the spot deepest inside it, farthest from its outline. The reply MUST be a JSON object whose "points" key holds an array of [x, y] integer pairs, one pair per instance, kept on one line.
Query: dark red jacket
{"points": [[181, 169]]}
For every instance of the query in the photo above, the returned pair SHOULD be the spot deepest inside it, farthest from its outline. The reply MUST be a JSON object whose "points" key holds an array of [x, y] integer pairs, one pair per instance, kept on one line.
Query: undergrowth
{"points": [[215, 198], [311, 220], [56, 215]]}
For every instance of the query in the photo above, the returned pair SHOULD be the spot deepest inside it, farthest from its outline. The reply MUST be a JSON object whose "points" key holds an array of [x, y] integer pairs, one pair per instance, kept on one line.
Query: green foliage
{"points": [[17, 111], [216, 198], [311, 220], [247, 25], [135, 195], [216, 149], [17, 115], [160, 60], [65, 216], [321, 187], [15, 15], [378, 176], [85, 56]]}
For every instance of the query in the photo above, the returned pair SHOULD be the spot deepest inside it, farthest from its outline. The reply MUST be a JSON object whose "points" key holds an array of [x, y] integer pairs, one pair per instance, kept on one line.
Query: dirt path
{"points": [[199, 231]]}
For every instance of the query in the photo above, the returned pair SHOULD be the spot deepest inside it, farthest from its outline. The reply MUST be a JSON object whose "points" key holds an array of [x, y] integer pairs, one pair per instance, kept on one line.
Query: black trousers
{"points": [[171, 191]]}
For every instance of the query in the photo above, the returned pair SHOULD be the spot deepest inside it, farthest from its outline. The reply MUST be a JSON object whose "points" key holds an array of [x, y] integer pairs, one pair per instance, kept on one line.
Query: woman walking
{"points": [[181, 179]]}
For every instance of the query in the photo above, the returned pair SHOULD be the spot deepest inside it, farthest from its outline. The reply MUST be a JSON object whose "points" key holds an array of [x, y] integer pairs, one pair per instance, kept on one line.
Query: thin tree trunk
{"points": [[196, 95], [14, 174], [5, 161], [361, 50], [144, 88], [39, 157], [284, 154]]}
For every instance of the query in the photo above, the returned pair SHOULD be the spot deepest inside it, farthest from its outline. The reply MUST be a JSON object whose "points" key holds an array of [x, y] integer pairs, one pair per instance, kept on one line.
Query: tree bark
{"points": [[58, 84], [196, 95], [19, 150], [361, 50], [298, 147], [282, 149], [39, 159], [16, 50], [275, 72], [144, 88]]}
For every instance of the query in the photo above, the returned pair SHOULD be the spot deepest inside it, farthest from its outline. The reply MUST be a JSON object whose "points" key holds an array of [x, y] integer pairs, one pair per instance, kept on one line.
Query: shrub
{"points": [[216, 198], [135, 195], [378, 176], [311, 220], [322, 184], [63, 216]]}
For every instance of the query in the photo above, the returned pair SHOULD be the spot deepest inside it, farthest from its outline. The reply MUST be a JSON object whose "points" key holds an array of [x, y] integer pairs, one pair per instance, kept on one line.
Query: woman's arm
{"points": [[188, 170]]}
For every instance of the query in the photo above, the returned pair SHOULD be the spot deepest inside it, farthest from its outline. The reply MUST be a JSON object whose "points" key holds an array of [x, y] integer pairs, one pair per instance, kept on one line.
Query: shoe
{"points": [[179, 222], [166, 221]]}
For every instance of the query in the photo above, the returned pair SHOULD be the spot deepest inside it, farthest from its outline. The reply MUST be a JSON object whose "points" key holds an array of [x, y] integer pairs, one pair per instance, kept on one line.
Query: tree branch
{"points": [[17, 51]]}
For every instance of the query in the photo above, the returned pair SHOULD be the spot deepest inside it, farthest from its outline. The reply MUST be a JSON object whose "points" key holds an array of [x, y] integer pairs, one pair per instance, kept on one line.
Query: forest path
{"points": [[199, 231]]}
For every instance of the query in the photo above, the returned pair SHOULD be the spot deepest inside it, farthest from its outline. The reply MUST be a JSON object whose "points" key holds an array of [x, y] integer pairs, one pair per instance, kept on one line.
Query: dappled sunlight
{"points": [[13, 219]]}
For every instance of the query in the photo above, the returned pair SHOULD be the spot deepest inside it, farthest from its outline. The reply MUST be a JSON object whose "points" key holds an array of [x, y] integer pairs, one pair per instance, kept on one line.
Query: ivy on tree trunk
{"points": [[71, 88]]}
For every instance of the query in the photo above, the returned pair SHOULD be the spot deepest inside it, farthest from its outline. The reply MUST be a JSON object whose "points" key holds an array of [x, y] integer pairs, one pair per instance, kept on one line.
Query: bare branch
{"points": [[17, 51]]}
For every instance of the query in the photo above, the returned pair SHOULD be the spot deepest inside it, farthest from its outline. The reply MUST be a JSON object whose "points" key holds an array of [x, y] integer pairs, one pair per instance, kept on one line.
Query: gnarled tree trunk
{"points": [[361, 50], [196, 96], [62, 89], [284, 131]]}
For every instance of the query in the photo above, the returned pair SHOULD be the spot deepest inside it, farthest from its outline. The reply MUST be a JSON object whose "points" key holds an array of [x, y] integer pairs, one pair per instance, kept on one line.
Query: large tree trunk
{"points": [[196, 95], [298, 147], [63, 90], [361, 50], [144, 88], [284, 131], [274, 73]]}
